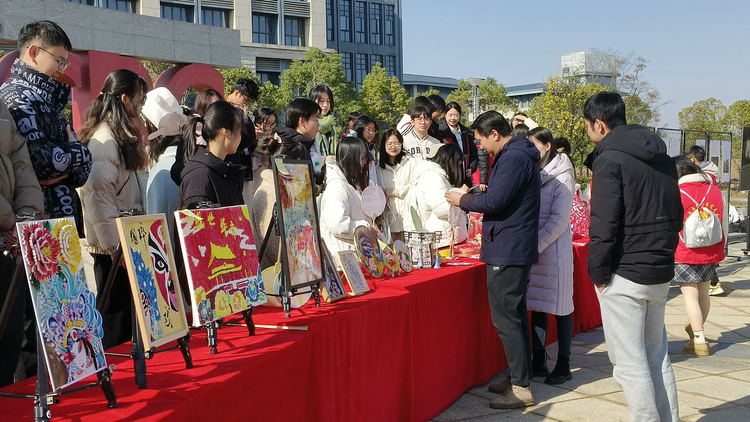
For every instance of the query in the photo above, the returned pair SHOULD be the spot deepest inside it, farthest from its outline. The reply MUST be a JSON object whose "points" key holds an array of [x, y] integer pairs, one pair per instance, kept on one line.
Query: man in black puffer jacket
{"points": [[636, 215]]}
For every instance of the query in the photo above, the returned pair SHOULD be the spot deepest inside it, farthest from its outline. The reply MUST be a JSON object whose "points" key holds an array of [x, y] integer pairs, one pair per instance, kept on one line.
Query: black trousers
{"points": [[506, 290], [12, 337], [117, 316]]}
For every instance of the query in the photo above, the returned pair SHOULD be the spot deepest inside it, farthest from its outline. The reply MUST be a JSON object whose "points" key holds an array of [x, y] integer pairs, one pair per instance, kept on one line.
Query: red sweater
{"points": [[696, 186]]}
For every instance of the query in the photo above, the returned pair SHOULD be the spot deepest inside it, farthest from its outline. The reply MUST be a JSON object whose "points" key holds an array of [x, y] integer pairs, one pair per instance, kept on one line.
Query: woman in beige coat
{"points": [[19, 193], [113, 137]]}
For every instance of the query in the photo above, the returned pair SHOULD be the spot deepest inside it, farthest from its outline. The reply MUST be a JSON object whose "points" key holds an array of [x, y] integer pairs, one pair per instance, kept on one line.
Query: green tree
{"points": [[156, 68], [560, 109], [382, 98], [737, 117], [268, 95], [492, 96], [638, 111], [428, 93], [318, 68], [703, 115]]}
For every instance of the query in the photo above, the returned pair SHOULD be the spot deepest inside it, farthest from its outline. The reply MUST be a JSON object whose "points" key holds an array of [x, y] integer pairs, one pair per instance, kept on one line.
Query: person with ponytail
{"points": [[265, 196], [111, 132], [550, 288], [206, 177], [341, 203]]}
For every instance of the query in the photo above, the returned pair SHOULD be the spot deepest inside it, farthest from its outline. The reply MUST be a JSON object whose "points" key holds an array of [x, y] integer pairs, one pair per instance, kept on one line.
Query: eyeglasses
{"points": [[371, 131], [62, 63], [392, 144], [423, 119]]}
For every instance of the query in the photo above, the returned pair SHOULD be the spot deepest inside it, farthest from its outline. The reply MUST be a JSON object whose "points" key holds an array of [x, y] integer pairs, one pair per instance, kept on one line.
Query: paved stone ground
{"points": [[713, 388]]}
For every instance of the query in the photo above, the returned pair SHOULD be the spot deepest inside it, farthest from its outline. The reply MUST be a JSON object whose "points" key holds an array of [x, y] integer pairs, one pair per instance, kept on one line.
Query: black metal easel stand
{"points": [[284, 294]]}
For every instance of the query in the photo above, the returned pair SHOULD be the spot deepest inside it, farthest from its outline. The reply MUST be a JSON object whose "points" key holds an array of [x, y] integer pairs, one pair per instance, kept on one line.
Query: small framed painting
{"points": [[147, 252], [353, 271], [333, 288]]}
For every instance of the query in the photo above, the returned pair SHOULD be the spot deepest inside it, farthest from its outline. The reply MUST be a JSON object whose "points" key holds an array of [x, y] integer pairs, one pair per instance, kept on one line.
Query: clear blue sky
{"points": [[695, 49]]}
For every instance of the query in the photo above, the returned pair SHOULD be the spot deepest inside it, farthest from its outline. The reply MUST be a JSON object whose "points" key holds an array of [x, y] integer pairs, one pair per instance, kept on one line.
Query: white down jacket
{"points": [[427, 196], [397, 178], [551, 280], [340, 212]]}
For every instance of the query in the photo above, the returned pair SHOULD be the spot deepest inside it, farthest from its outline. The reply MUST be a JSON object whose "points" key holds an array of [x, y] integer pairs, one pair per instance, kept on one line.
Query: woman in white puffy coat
{"points": [[394, 173], [432, 178], [341, 203], [551, 281]]}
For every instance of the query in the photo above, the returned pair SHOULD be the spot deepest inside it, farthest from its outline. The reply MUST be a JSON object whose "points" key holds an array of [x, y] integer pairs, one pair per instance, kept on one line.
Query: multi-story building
{"points": [[365, 33]]}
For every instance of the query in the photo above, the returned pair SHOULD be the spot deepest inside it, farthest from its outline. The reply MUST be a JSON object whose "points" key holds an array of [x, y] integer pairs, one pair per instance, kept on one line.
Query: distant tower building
{"points": [[593, 67]]}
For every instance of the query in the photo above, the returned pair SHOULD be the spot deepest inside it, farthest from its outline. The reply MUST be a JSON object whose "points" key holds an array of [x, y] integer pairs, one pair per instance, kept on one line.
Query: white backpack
{"points": [[700, 232]]}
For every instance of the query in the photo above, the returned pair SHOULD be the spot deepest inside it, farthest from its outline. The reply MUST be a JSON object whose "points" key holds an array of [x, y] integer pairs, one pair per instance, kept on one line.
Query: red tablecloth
{"points": [[587, 314], [404, 351]]}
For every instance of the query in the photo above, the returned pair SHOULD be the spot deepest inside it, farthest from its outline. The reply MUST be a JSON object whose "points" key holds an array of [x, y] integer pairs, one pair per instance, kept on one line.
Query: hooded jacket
{"points": [[206, 178], [19, 188], [510, 226], [288, 133], [427, 196], [36, 102], [340, 212], [636, 212], [551, 279]]}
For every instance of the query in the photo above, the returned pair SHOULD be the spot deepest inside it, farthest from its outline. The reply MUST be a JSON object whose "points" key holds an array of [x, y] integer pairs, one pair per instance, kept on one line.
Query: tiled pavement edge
{"points": [[713, 388]]}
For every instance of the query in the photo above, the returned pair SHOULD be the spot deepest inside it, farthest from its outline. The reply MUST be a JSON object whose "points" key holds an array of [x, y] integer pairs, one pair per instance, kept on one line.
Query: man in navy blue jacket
{"points": [[509, 246]]}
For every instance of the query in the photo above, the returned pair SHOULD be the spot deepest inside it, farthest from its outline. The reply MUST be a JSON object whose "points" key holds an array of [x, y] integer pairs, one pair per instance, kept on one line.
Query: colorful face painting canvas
{"points": [[66, 315], [147, 251], [333, 288], [221, 261], [298, 220]]}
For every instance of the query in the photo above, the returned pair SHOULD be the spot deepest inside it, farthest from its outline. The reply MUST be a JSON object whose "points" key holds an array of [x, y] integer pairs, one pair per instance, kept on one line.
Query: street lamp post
{"points": [[475, 82]]}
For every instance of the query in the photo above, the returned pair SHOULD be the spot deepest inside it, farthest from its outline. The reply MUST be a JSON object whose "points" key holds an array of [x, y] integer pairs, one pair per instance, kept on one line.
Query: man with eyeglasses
{"points": [[418, 142], [244, 93], [36, 98]]}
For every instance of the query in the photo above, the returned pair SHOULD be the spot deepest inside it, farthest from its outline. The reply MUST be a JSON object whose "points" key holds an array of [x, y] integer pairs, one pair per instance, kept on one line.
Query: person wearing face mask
{"points": [[453, 131], [418, 142], [112, 132], [36, 97], [207, 177], [395, 173], [550, 288]]}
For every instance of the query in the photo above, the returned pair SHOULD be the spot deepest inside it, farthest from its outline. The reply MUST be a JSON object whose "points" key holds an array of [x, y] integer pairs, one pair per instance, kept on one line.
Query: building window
{"points": [[329, 20], [216, 17], [376, 24], [346, 61], [273, 77], [294, 32], [177, 12], [345, 24], [264, 29], [361, 68], [377, 58], [360, 21], [121, 5], [390, 25], [390, 65]]}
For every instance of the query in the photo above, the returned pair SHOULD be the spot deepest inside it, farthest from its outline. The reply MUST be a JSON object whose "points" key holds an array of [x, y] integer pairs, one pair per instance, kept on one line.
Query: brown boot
{"points": [[500, 387], [514, 398]]}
